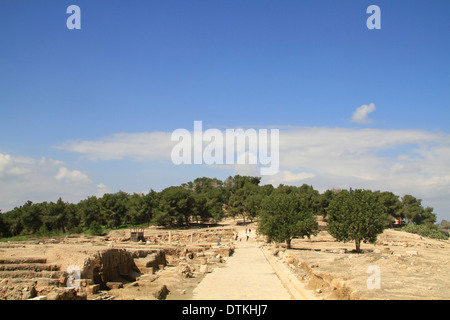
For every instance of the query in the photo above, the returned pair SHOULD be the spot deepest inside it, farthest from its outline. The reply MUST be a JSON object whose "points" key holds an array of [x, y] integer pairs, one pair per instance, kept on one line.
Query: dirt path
{"points": [[247, 275]]}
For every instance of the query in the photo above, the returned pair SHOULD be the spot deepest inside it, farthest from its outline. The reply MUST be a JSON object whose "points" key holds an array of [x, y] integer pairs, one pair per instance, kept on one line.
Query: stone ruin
{"points": [[44, 270]]}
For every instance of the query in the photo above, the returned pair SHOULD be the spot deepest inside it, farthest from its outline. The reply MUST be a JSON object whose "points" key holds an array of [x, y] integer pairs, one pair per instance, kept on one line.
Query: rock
{"points": [[114, 285], [29, 292], [65, 294], [161, 292], [203, 268], [214, 260], [93, 288], [185, 270], [337, 283], [412, 253]]}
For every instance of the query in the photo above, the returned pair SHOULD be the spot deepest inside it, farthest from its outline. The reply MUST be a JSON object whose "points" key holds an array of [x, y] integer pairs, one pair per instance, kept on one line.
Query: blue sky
{"points": [[155, 66]]}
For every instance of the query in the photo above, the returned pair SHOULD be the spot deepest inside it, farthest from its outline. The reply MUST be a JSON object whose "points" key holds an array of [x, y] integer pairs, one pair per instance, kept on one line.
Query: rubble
{"points": [[168, 264], [407, 265]]}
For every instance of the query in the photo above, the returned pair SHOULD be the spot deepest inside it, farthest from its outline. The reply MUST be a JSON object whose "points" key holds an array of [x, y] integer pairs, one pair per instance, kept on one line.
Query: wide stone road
{"points": [[246, 276]]}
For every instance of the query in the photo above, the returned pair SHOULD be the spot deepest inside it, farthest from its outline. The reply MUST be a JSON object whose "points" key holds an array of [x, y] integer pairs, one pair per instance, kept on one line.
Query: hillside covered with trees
{"points": [[204, 200]]}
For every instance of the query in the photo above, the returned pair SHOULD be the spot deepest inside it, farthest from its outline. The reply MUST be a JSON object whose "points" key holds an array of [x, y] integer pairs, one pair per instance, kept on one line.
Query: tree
{"points": [[391, 205], [56, 216], [324, 201], [414, 212], [411, 208], [285, 215], [95, 229], [3, 226], [89, 211], [242, 200], [141, 208], [178, 203], [356, 215], [209, 197], [31, 217], [113, 208]]}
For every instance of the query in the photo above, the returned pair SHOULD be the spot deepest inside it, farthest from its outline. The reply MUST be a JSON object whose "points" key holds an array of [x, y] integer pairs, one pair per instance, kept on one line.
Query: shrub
{"points": [[95, 229], [424, 230]]}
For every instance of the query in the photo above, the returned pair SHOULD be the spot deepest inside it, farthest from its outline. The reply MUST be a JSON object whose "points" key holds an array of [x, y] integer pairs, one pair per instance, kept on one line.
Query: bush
{"points": [[95, 229], [425, 231]]}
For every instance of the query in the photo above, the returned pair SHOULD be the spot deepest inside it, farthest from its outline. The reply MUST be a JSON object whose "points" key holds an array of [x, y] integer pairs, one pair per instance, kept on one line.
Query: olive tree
{"points": [[356, 215], [285, 215]]}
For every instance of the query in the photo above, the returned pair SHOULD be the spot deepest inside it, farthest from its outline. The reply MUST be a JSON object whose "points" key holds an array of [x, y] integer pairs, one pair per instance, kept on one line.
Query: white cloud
{"points": [[360, 115], [287, 177], [101, 190], [401, 161], [144, 146], [46, 179], [73, 176]]}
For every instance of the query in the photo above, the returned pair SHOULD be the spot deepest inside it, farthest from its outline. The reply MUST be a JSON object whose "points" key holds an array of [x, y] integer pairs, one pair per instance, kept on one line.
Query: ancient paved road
{"points": [[246, 276]]}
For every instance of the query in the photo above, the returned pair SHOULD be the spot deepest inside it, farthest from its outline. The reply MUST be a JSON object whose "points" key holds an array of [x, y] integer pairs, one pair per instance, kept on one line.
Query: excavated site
{"points": [[399, 266], [167, 265]]}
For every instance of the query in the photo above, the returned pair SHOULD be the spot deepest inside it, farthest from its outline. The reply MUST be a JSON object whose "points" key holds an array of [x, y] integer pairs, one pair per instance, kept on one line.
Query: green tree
{"points": [[31, 215], [88, 211], [4, 232], [413, 211], [95, 229], [324, 201], [243, 196], [141, 208], [411, 208], [113, 208], [285, 215], [56, 217], [391, 205], [209, 197], [13, 222], [356, 215], [178, 203]]}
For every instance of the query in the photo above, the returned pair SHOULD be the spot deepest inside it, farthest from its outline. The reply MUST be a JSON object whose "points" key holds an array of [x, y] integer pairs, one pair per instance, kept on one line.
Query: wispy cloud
{"points": [[142, 146], [45, 179], [360, 115], [401, 161], [327, 156]]}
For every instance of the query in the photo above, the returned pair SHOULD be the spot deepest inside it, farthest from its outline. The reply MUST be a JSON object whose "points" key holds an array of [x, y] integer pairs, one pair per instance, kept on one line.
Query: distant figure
{"points": [[220, 239], [249, 230], [245, 230], [247, 237]]}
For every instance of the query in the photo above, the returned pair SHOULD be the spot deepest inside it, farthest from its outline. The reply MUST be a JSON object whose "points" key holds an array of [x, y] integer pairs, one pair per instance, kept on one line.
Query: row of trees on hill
{"points": [[201, 200]]}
